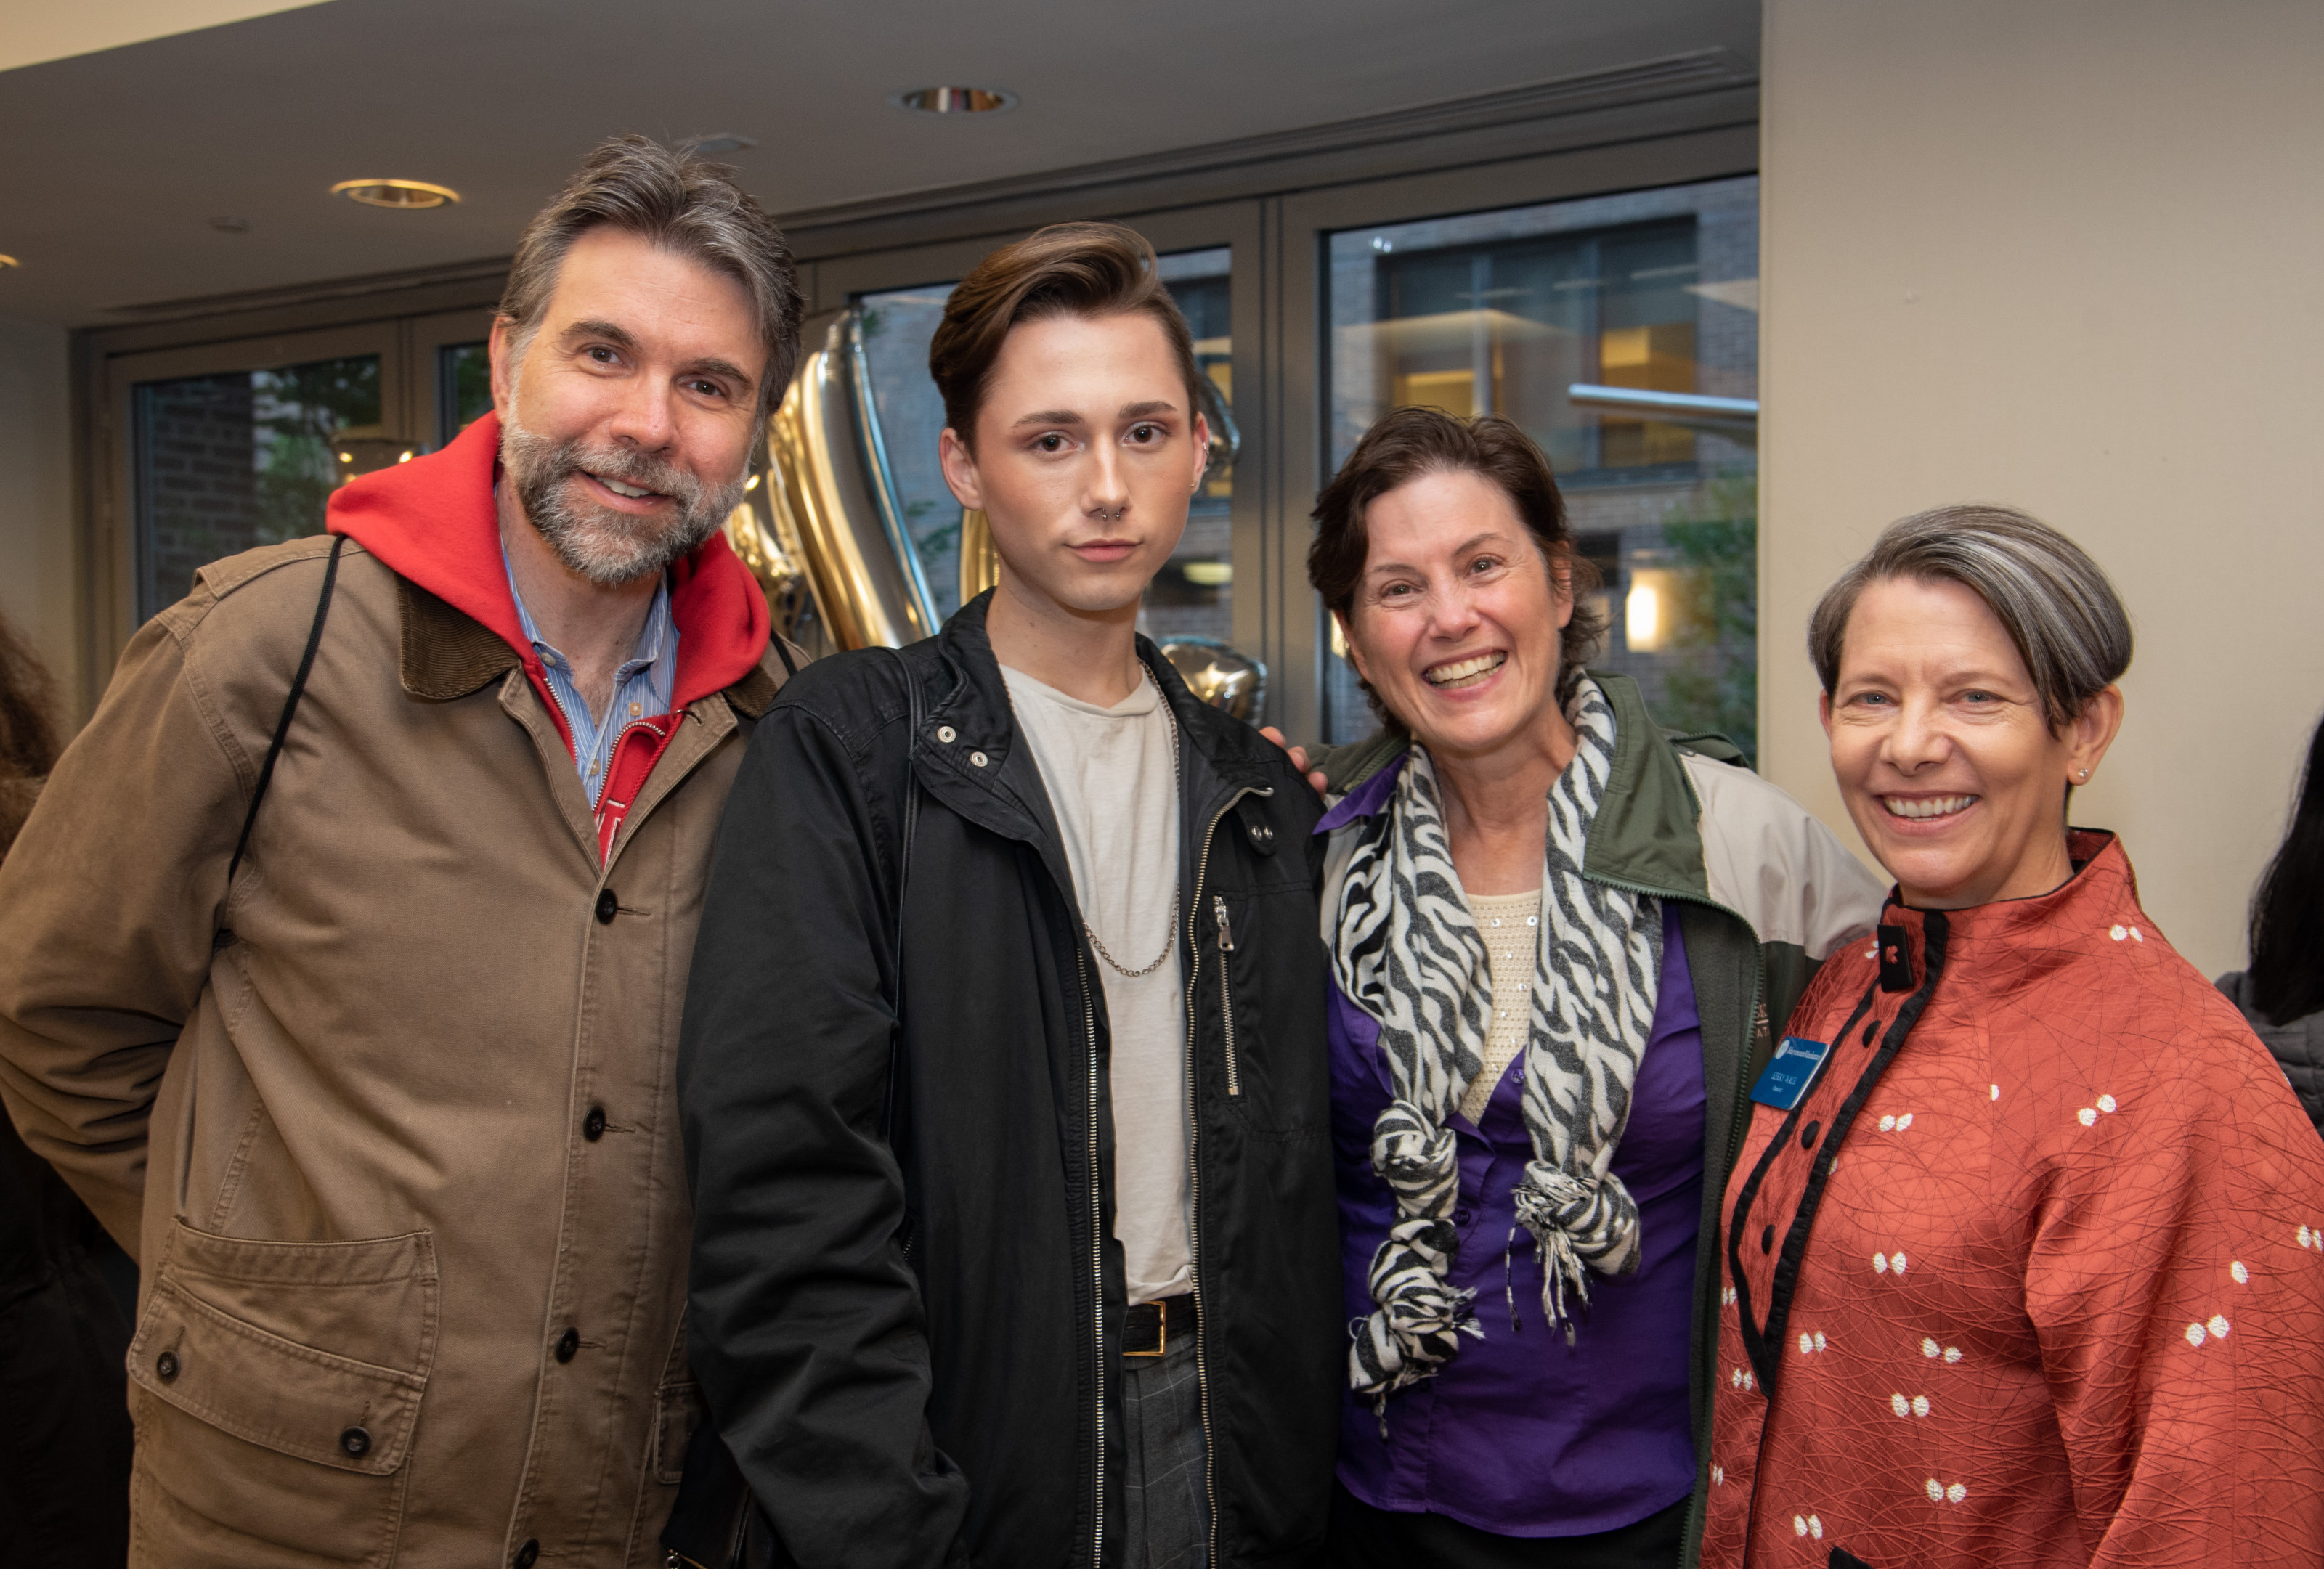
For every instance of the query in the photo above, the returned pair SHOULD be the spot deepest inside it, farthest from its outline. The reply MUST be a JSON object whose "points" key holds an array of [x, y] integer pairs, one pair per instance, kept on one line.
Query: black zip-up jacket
{"points": [[910, 1341]]}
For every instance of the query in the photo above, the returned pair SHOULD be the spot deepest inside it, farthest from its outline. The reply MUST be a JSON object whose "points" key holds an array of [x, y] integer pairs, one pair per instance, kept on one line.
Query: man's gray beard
{"points": [[609, 547]]}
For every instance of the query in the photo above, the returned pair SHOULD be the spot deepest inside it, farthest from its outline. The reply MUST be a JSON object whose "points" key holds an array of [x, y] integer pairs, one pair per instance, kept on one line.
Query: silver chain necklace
{"points": [[1170, 931]]}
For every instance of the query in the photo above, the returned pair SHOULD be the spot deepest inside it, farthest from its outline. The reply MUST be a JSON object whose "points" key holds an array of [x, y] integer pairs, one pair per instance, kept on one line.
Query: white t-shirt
{"points": [[1110, 782]]}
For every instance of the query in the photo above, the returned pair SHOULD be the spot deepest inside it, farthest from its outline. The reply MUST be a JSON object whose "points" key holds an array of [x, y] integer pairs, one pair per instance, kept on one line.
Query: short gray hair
{"points": [[683, 202], [2058, 608]]}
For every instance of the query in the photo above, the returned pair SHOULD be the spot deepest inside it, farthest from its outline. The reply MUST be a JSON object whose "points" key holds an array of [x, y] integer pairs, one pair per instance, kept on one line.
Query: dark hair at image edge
{"points": [[684, 203], [1406, 445], [1084, 269], [28, 731], [2065, 619], [2287, 909]]}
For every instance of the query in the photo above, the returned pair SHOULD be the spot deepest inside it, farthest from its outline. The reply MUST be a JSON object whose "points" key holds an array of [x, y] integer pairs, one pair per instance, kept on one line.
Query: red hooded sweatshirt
{"points": [[433, 521]]}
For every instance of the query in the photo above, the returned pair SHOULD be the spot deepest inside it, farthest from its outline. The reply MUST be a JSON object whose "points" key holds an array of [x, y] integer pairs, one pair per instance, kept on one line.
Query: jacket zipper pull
{"points": [[1226, 932]]}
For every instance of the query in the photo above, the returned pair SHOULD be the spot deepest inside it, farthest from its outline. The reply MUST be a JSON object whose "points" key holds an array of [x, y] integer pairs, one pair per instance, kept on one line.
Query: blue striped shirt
{"points": [[641, 687]]}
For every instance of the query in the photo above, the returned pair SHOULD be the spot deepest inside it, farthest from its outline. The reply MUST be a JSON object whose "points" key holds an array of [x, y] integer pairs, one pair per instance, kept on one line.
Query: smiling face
{"points": [[1086, 455], [1456, 621], [627, 417], [1943, 752]]}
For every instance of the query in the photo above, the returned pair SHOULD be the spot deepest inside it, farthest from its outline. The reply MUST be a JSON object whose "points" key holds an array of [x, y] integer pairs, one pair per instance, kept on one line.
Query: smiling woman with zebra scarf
{"points": [[1558, 934]]}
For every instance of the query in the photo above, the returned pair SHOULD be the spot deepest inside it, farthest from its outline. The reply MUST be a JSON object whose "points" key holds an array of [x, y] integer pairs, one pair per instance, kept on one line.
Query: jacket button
{"points": [[1460, 1215], [1767, 1240], [1808, 1135], [946, 734], [567, 1344], [978, 758], [593, 1127], [356, 1442], [606, 906], [1262, 834], [527, 1555], [166, 1365]]}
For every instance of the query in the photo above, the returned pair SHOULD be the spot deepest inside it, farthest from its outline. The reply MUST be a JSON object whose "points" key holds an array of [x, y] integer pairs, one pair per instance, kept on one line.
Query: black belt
{"points": [[1148, 1327]]}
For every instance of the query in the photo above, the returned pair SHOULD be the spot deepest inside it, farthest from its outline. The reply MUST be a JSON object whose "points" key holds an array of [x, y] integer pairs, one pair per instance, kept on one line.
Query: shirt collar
{"points": [[657, 641]]}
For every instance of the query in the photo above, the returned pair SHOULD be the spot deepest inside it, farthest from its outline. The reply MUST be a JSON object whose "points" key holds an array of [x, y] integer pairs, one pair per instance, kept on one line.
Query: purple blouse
{"points": [[1521, 1435]]}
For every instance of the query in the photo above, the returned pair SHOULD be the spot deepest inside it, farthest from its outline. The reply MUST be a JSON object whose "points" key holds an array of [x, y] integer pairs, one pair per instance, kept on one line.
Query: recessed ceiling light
{"points": [[955, 100], [724, 141], [395, 193]]}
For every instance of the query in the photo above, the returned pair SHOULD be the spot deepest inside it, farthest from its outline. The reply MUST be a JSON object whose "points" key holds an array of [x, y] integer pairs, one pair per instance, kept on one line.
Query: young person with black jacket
{"points": [[1015, 1240]]}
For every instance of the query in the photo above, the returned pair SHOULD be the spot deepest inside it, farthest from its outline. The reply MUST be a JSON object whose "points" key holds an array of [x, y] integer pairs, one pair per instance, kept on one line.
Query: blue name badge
{"points": [[1786, 1079]]}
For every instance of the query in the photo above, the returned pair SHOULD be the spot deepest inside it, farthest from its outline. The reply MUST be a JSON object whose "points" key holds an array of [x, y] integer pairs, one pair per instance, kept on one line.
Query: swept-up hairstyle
{"points": [[1409, 443], [1084, 269], [2067, 622], [683, 202]]}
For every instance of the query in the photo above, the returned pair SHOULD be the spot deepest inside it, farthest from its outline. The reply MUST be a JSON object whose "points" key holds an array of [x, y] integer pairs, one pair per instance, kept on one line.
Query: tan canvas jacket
{"points": [[392, 1130]]}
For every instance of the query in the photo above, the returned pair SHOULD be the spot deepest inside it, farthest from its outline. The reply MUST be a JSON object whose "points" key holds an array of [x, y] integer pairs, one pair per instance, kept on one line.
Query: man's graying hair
{"points": [[683, 202], [2058, 608]]}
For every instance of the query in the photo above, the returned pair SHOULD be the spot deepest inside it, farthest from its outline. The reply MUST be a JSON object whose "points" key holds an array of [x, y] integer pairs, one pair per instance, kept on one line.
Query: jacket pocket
{"points": [[277, 1388], [1261, 950]]}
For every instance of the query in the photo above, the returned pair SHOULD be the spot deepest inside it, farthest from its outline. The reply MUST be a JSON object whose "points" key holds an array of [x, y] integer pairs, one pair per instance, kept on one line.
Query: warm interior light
{"points": [[751, 484], [1644, 623], [1208, 574], [955, 100], [7, 261], [409, 194]]}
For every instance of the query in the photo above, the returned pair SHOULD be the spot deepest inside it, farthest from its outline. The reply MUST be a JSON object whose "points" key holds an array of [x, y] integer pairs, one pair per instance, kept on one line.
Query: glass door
{"points": [[1621, 332], [225, 448]]}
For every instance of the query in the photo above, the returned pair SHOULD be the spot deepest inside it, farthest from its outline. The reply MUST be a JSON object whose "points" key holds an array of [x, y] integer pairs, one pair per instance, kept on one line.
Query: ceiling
{"points": [[125, 156]]}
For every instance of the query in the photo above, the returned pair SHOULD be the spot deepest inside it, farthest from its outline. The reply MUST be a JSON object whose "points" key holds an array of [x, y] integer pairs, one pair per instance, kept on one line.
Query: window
{"points": [[464, 388], [1622, 333], [231, 460]]}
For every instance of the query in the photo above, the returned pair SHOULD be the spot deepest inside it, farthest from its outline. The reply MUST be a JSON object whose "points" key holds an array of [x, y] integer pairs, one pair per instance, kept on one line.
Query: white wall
{"points": [[37, 589], [2066, 255]]}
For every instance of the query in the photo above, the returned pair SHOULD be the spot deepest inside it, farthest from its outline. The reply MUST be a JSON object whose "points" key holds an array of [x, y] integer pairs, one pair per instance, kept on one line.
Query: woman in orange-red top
{"points": [[2023, 1254]]}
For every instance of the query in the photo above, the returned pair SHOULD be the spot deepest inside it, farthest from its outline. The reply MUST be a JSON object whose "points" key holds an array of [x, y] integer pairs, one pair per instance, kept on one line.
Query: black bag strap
{"points": [[903, 883], [283, 724]]}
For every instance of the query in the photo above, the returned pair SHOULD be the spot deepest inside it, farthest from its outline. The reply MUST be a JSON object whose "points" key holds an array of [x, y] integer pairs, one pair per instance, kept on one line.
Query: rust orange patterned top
{"points": [[2034, 1274]]}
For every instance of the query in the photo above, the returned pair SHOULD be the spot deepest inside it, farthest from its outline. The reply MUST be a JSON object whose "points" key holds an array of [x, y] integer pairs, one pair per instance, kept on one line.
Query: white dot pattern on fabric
{"points": [[1936, 1491], [2119, 933], [1952, 1354], [1996, 1090], [1955, 1493], [1821, 1344], [1920, 1405], [2218, 1327], [2136, 936], [2088, 1116], [2106, 1103], [2242, 1275], [1718, 1476], [1940, 1493], [1900, 1405], [1880, 1263], [1930, 1348], [1896, 1261], [2194, 1334], [1888, 1124], [1815, 1527]]}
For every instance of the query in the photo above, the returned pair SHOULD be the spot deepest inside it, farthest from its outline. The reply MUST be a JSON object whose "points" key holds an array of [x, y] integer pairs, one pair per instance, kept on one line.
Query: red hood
{"points": [[432, 520]]}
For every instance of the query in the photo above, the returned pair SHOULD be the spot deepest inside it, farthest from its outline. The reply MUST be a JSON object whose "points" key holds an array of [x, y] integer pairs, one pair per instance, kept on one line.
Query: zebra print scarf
{"points": [[1410, 955]]}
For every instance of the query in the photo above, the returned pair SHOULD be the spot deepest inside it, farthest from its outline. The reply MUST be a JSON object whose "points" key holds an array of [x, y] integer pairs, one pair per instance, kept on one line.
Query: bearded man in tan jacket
{"points": [[376, 1080]]}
